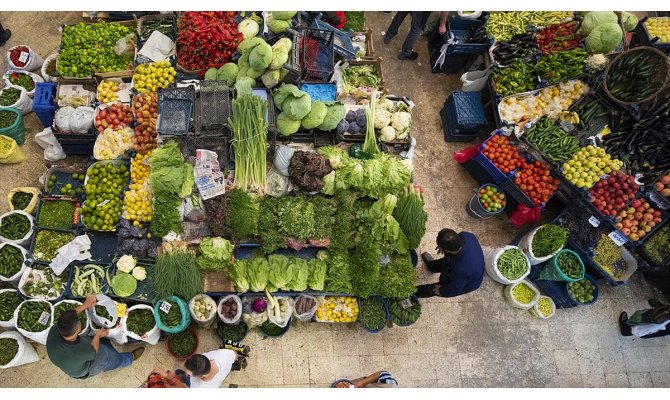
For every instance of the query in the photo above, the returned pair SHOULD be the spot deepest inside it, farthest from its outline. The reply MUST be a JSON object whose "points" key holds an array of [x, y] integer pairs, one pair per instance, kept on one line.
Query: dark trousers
{"points": [[436, 267], [419, 19]]}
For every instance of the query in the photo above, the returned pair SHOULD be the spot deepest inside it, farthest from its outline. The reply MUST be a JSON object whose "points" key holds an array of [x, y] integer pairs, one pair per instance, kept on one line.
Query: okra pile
{"points": [[11, 260], [30, 313], [14, 226], [9, 301]]}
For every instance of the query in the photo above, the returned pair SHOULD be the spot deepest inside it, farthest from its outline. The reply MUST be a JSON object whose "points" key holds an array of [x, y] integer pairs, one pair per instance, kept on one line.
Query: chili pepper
{"points": [[15, 55]]}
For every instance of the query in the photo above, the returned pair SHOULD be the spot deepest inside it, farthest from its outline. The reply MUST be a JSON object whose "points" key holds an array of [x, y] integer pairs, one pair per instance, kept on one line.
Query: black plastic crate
{"points": [[452, 135], [50, 198], [218, 144], [317, 55], [324, 139], [298, 137], [175, 110], [343, 46], [63, 177], [76, 144], [103, 245], [553, 289], [103, 282], [461, 29], [515, 196], [478, 173], [645, 37], [212, 108], [144, 292], [464, 111]]}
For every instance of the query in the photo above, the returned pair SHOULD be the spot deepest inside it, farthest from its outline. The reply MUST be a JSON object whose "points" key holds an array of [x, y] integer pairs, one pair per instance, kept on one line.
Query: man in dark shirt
{"points": [[84, 356], [461, 269]]}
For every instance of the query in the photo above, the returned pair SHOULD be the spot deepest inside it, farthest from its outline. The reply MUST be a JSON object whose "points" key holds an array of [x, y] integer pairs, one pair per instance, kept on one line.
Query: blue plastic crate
{"points": [[320, 91], [103, 245], [453, 62], [461, 29], [453, 135], [44, 102], [515, 195], [465, 111]]}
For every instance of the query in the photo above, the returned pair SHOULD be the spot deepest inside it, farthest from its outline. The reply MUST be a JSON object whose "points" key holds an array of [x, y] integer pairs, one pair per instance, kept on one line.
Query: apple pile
{"points": [[534, 179], [117, 116], [145, 107], [611, 195], [503, 154], [663, 186], [637, 220]]}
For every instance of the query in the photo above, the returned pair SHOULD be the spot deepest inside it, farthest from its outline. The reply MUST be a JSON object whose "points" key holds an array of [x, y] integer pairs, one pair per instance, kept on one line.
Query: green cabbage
{"points": [[316, 115], [277, 25], [247, 45], [228, 72], [284, 45], [270, 78], [244, 85], [287, 126], [243, 62], [254, 73], [283, 15], [629, 21], [260, 57], [123, 284], [215, 253], [604, 38], [210, 75], [248, 28], [279, 58], [336, 113], [595, 18]]}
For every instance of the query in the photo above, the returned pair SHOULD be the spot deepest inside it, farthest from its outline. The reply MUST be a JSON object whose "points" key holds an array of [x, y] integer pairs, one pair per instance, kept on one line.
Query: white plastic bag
{"points": [[8, 324], [25, 240], [288, 311], [110, 305], [84, 329], [24, 104], [490, 265], [514, 303], [53, 151], [158, 47], [26, 354], [471, 16], [536, 310], [125, 46], [150, 337], [526, 245], [648, 329], [209, 319], [45, 75], [14, 279], [237, 316], [283, 158], [31, 59], [41, 336], [475, 81], [62, 119], [81, 120], [36, 79], [306, 316]]}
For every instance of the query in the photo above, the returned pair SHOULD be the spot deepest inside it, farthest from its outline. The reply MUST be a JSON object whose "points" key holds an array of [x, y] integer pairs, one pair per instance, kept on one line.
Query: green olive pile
{"points": [[583, 291]]}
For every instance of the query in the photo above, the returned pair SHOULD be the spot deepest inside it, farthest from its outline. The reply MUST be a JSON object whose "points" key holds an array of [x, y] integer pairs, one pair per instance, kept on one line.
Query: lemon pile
{"points": [[108, 91], [138, 201], [658, 27], [550, 101], [104, 186], [586, 167], [337, 309], [153, 76]]}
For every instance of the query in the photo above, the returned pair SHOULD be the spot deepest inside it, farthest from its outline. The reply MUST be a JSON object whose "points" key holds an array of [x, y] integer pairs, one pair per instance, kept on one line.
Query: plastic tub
{"points": [[282, 333], [388, 314], [195, 349], [16, 130], [595, 295]]}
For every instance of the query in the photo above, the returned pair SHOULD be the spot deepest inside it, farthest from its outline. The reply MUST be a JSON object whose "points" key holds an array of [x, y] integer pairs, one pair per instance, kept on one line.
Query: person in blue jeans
{"points": [[84, 356], [461, 268], [419, 19]]}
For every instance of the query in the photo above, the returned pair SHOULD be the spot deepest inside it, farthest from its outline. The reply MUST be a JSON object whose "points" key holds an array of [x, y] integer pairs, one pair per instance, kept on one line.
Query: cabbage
{"points": [[283, 156], [284, 45], [228, 72], [243, 62], [283, 15], [123, 284], [260, 57], [210, 75], [298, 107], [596, 18], [248, 28], [254, 73], [629, 21], [216, 248], [287, 126], [247, 45], [278, 26], [316, 115], [335, 114], [244, 85], [604, 38], [270, 78], [279, 58]]}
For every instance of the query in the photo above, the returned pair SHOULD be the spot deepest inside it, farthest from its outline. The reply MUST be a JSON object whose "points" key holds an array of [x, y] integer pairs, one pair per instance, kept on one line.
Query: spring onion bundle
{"points": [[370, 144], [250, 142], [176, 273], [410, 215]]}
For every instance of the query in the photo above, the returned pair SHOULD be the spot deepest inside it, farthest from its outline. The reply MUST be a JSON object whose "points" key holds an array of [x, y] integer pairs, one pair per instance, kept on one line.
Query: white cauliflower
{"points": [[385, 104], [126, 263], [382, 118], [387, 134], [401, 121], [597, 62], [139, 273]]}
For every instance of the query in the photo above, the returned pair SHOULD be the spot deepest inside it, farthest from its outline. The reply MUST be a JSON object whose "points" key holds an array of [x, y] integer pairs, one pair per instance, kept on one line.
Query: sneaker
{"points": [[412, 56], [623, 326], [5, 37], [137, 353], [387, 39], [426, 257]]}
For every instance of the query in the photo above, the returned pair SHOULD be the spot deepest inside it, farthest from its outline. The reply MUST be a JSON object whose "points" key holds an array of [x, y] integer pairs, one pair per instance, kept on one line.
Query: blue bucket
{"points": [[596, 294], [476, 210]]}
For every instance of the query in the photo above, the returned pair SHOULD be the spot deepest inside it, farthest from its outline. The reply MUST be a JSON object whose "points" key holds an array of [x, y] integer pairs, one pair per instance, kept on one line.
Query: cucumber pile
{"points": [[404, 316]]}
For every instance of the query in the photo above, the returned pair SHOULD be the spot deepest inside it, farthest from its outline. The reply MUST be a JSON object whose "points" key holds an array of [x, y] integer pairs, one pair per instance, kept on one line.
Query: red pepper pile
{"points": [[534, 179], [558, 37], [15, 53], [207, 39]]}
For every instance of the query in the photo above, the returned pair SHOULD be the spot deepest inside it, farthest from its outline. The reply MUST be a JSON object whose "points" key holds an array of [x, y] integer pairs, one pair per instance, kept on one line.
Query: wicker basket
{"points": [[660, 77]]}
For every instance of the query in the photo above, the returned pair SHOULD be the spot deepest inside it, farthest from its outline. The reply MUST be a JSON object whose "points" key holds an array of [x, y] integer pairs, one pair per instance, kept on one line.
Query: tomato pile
{"points": [[534, 179], [116, 116], [491, 198], [611, 195], [503, 154], [638, 219]]}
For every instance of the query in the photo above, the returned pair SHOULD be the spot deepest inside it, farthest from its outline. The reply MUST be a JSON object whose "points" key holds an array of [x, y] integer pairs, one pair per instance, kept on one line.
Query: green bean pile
{"points": [[183, 344], [549, 239], [48, 242], [14, 226], [512, 264], [372, 314], [11, 260], [8, 349], [101, 311], [29, 315]]}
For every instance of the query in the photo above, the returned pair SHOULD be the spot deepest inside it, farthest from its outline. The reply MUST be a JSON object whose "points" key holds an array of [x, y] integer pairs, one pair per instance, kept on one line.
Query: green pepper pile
{"points": [[173, 317], [9, 96], [63, 306], [561, 66], [235, 332], [519, 77], [140, 321], [570, 264], [20, 200], [552, 141], [404, 316], [7, 118]]}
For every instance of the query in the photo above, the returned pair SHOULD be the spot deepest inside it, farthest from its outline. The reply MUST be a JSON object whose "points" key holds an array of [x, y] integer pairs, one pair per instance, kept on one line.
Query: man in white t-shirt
{"points": [[210, 369]]}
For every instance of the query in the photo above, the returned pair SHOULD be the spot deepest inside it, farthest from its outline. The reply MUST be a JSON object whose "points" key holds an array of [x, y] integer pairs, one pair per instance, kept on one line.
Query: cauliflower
{"points": [[597, 62], [382, 118], [126, 263], [385, 104], [401, 121], [139, 273], [387, 134]]}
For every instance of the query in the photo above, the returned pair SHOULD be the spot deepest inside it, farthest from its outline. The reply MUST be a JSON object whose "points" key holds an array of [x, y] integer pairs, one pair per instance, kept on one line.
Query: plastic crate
{"points": [[317, 55], [453, 135], [33, 242], [76, 144], [298, 137], [553, 289], [144, 292], [105, 287], [324, 139], [220, 145], [461, 29], [642, 253], [103, 245], [342, 45], [50, 198], [212, 108], [647, 40], [63, 177], [320, 91], [453, 63], [44, 103], [175, 110], [464, 111]]}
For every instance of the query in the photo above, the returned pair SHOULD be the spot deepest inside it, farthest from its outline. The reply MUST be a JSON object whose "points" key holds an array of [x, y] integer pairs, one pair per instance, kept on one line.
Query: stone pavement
{"points": [[475, 340]]}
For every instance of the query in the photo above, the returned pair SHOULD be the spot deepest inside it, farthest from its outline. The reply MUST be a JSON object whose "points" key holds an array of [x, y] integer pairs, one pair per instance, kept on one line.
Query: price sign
{"points": [[44, 318], [23, 57], [594, 221], [407, 303], [120, 310], [165, 307], [618, 238]]}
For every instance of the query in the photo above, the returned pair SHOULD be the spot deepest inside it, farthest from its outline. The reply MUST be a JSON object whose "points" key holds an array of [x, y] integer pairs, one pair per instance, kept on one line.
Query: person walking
{"points": [[419, 19], [647, 323], [379, 379], [208, 370], [84, 356], [5, 34], [461, 268]]}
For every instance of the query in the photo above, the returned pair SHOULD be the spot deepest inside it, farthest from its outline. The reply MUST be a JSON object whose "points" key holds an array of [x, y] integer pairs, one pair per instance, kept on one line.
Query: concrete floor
{"points": [[475, 340]]}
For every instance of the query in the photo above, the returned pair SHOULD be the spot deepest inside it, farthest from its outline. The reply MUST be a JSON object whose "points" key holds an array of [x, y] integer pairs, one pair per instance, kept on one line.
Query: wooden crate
{"points": [[369, 46]]}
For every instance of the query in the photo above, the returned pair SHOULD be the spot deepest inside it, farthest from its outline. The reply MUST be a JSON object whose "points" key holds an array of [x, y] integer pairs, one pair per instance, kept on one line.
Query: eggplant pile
{"points": [[478, 35], [520, 47]]}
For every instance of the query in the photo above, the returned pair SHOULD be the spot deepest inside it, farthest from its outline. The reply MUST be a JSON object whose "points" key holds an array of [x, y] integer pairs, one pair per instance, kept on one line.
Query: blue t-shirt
{"points": [[464, 271]]}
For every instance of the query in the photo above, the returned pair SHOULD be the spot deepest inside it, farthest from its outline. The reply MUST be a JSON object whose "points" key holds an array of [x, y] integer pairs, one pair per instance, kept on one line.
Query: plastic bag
{"points": [[62, 119], [84, 329], [307, 315], [45, 65], [36, 276], [514, 303], [283, 158], [81, 120], [95, 319], [471, 15], [14, 279], [526, 245], [24, 104], [53, 151], [30, 208], [237, 316], [648, 329], [185, 315], [277, 184], [8, 324], [30, 58], [10, 152], [150, 337], [26, 354], [536, 310], [524, 215], [287, 302], [36, 79], [491, 257], [25, 240], [475, 81], [466, 154], [125, 46], [41, 336], [209, 320]]}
